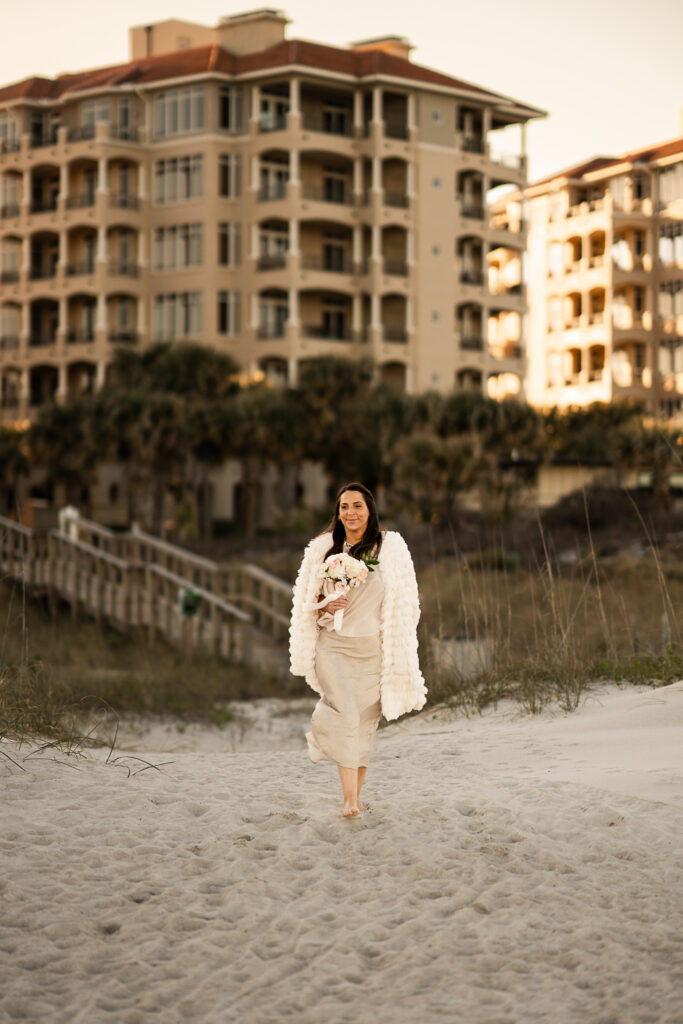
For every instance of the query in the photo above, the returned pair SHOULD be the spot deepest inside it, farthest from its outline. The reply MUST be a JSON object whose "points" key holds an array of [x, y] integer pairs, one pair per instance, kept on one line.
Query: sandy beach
{"points": [[509, 869]]}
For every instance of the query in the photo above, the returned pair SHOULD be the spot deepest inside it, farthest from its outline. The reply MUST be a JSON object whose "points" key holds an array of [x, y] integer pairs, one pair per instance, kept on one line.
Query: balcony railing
{"points": [[124, 132], [10, 210], [42, 340], [473, 143], [332, 266], [46, 205], [398, 268], [122, 268], [396, 129], [324, 195], [271, 333], [80, 268], [48, 138], [323, 333], [124, 201], [474, 210], [80, 336], [398, 335], [472, 277], [275, 190], [276, 261], [9, 402], [399, 199], [77, 202], [328, 125], [9, 342], [42, 273], [472, 342], [81, 132], [9, 276], [10, 146], [119, 337], [274, 124]]}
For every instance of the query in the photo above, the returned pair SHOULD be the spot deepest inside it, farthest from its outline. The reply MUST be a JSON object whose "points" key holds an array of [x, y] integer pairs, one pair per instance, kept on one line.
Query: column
{"points": [[375, 312], [293, 245], [101, 245], [102, 186], [412, 109], [61, 262], [142, 249], [254, 311], [293, 307], [142, 182], [255, 170], [254, 242], [377, 116], [142, 325], [410, 180], [101, 314], [486, 128], [26, 189], [61, 392], [410, 325], [357, 247], [356, 318], [294, 167], [25, 254], [358, 112], [100, 375], [63, 183], [376, 247], [255, 107], [61, 320], [294, 97], [358, 179], [376, 174], [410, 248]]}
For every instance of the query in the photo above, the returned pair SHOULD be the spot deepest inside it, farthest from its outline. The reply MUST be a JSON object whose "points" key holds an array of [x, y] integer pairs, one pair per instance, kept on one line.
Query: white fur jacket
{"points": [[402, 688]]}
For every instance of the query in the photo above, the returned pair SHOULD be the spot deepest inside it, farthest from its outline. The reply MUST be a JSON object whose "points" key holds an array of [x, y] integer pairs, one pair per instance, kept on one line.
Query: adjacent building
{"points": [[277, 199], [605, 282]]}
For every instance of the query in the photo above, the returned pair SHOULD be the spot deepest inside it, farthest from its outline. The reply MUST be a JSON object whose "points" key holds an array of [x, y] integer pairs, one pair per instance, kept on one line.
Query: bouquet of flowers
{"points": [[340, 573]]}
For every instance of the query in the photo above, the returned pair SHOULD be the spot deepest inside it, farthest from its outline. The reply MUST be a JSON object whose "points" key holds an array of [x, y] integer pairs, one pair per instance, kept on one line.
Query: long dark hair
{"points": [[371, 539]]}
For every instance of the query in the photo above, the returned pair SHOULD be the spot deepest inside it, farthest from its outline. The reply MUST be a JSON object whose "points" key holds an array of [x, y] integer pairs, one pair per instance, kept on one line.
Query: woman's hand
{"points": [[337, 604]]}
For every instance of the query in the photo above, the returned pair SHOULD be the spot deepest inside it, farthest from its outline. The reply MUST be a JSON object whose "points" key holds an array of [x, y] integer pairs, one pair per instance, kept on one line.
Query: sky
{"points": [[609, 72]]}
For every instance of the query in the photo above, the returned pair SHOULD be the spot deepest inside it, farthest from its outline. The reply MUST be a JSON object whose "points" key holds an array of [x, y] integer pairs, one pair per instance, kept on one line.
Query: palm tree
{"points": [[67, 440], [13, 465]]}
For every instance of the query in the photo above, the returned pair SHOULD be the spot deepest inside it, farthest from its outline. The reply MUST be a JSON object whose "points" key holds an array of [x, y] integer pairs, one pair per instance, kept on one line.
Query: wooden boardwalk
{"points": [[135, 581]]}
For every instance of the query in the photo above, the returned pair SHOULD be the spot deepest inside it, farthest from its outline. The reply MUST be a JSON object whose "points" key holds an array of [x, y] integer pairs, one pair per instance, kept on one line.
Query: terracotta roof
{"points": [[200, 59], [647, 154]]}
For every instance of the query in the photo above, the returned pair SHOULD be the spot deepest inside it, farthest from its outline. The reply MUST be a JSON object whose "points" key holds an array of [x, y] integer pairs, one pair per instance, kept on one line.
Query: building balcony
{"points": [[80, 336], [81, 133], [399, 200], [48, 205], [472, 210], [124, 133], [124, 201], [473, 277], [80, 268], [48, 138], [42, 273], [323, 333], [473, 143], [275, 333], [273, 124], [311, 261], [472, 342], [79, 202], [119, 268], [395, 129], [277, 261], [318, 193], [9, 276], [396, 335], [10, 146], [275, 190], [10, 210], [42, 340], [328, 126], [123, 337], [9, 342], [397, 268]]}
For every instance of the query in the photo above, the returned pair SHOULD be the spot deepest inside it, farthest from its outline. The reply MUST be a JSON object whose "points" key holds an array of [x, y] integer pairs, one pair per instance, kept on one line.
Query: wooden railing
{"points": [[137, 581]]}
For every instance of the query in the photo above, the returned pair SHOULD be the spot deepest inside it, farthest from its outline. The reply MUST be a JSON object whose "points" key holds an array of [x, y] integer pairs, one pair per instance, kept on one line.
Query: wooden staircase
{"points": [[136, 581]]}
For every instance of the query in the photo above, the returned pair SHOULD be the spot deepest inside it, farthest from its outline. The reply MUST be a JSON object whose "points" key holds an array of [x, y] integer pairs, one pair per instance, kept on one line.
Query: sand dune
{"points": [[509, 870]]}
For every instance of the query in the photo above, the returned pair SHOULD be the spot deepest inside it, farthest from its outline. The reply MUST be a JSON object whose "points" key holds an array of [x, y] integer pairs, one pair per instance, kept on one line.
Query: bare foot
{"points": [[350, 811], [362, 807]]}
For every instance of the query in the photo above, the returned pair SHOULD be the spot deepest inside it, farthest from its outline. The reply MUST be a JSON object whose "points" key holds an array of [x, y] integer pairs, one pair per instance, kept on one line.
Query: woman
{"points": [[369, 666]]}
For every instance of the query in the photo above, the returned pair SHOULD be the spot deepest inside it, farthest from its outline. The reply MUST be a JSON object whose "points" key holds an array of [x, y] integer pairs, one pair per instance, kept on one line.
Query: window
{"points": [[178, 246], [334, 185], [177, 315], [178, 178], [8, 131], [436, 116], [670, 184], [229, 313], [273, 313], [334, 319], [335, 118], [178, 112], [95, 112], [229, 175], [273, 114], [230, 105], [229, 244]]}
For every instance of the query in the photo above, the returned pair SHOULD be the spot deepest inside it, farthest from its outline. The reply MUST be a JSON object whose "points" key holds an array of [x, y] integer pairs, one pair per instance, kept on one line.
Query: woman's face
{"points": [[353, 512]]}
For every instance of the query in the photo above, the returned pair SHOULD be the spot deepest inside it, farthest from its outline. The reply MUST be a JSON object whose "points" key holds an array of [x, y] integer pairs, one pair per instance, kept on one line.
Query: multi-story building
{"points": [[274, 198], [605, 282]]}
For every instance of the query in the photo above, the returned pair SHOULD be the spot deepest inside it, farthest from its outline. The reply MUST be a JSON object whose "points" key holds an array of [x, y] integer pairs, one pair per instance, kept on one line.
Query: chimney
{"points": [[251, 31], [396, 46]]}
